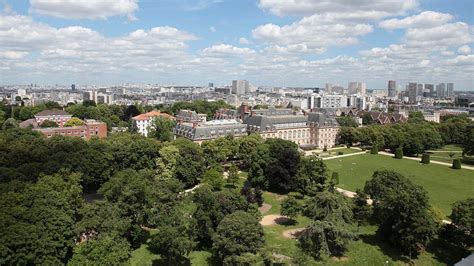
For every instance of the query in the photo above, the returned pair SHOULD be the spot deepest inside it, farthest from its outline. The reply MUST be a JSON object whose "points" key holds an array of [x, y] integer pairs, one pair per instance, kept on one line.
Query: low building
{"points": [[311, 129], [143, 122], [432, 116], [91, 128], [189, 116], [199, 132], [55, 115]]}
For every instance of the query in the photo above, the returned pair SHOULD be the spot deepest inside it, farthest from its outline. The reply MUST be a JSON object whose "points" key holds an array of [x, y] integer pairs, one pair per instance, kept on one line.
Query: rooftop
{"points": [[149, 115]]}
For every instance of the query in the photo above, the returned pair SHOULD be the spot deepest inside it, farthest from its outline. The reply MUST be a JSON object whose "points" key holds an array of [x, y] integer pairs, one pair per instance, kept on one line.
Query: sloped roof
{"points": [[52, 112], [149, 115]]}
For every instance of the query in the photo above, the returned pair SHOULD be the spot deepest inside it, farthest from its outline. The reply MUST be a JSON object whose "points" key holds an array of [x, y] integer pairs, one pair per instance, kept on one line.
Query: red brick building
{"points": [[91, 128]]}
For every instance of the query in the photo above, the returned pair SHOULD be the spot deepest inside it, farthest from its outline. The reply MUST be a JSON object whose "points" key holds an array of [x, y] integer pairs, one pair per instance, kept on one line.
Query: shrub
{"points": [[340, 153], [335, 178], [399, 153], [325, 149], [374, 150], [456, 164], [425, 158]]}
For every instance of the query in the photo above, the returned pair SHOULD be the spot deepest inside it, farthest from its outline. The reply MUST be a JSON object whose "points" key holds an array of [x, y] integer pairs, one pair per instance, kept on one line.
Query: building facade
{"points": [[143, 122], [55, 115], [209, 130], [91, 128], [392, 89]]}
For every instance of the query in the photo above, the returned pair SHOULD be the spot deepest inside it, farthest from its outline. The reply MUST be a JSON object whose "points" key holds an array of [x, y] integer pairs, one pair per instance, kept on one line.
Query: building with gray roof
{"points": [[199, 132]]}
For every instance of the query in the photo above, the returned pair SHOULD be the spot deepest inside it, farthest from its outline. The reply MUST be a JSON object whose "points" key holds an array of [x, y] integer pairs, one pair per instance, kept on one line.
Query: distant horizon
{"points": [[280, 43]]}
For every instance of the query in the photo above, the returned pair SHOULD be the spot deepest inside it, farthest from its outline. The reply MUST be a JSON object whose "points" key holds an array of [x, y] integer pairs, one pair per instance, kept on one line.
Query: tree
{"points": [[233, 174], [74, 122], [88, 103], [347, 121], [290, 207], [258, 196], [10, 123], [102, 251], [238, 233], [374, 150], [367, 119], [49, 123], [460, 232], [456, 164], [246, 145], [468, 144], [329, 206], [173, 242], [402, 211], [361, 211], [190, 164], [425, 158], [399, 153], [415, 117], [312, 175], [335, 178], [325, 238], [166, 164], [213, 178], [161, 128]]}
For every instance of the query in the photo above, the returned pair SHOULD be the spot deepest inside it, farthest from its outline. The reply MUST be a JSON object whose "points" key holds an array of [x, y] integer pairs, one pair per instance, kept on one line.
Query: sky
{"points": [[267, 42]]}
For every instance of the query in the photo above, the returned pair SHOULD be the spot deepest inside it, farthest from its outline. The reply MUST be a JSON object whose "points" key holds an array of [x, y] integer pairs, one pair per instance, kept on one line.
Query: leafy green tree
{"points": [[312, 175], [460, 232], [162, 128], [190, 164], [10, 123], [361, 211], [88, 103], [74, 122], [329, 206], [367, 119], [425, 158], [346, 121], [102, 251], [468, 144], [415, 117], [246, 145], [213, 178], [48, 123], [233, 174], [402, 211], [374, 150], [399, 153], [238, 233], [166, 164], [290, 207], [3, 116], [456, 164], [325, 238]]}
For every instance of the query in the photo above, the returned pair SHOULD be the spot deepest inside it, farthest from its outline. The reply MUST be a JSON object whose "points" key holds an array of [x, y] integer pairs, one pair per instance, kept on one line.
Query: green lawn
{"points": [[331, 153], [443, 155], [444, 185]]}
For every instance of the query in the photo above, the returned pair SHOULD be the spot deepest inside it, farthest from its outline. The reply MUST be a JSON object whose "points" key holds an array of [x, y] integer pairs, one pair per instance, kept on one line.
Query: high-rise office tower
{"points": [[430, 90], [392, 89], [73, 87], [357, 87], [450, 89], [240, 87], [412, 92], [440, 90], [419, 90]]}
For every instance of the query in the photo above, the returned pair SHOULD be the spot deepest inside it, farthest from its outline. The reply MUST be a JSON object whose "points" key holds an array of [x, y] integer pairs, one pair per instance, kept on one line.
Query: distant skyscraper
{"points": [[73, 87], [430, 90], [211, 85], [440, 90], [419, 91], [240, 87], [450, 89], [412, 92], [357, 87], [392, 89]]}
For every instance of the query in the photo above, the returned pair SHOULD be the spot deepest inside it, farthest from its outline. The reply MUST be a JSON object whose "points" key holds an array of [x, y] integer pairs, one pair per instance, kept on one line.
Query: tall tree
{"points": [[312, 175], [161, 128]]}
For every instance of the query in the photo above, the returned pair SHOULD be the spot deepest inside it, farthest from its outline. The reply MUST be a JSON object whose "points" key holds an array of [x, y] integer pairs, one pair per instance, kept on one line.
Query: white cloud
{"points": [[425, 19], [312, 33], [369, 9], [465, 49], [196, 5], [227, 50], [451, 34], [85, 9], [12, 54], [212, 29], [243, 40]]}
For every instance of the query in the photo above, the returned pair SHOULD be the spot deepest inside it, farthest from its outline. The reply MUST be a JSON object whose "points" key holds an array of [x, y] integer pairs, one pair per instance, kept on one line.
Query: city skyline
{"points": [[267, 42]]}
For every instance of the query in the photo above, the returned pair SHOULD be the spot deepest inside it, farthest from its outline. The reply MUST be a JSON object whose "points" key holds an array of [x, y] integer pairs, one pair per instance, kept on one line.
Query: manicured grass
{"points": [[332, 153], [444, 185], [450, 148]]}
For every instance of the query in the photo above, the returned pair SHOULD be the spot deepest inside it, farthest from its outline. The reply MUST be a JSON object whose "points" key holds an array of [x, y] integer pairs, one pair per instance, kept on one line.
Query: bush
{"points": [[456, 164], [325, 149], [374, 150], [335, 178], [399, 153], [425, 158], [340, 153]]}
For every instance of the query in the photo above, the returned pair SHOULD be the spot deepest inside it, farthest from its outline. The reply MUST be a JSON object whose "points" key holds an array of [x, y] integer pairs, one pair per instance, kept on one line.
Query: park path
{"points": [[431, 161], [344, 155]]}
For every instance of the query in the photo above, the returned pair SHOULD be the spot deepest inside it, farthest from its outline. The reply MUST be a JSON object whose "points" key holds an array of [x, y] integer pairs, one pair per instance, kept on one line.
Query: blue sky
{"points": [[268, 42]]}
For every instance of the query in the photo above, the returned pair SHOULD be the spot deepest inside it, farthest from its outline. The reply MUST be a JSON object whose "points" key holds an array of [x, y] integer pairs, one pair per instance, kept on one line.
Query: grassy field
{"points": [[334, 152], [444, 185], [443, 155]]}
